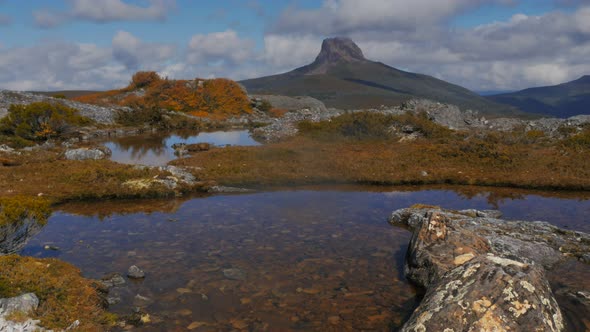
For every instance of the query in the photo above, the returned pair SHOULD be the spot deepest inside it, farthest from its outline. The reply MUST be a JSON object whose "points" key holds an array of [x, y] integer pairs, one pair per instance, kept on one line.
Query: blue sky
{"points": [[480, 44]]}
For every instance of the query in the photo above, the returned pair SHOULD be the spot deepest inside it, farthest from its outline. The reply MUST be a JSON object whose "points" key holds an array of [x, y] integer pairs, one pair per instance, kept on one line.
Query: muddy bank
{"points": [[484, 272]]}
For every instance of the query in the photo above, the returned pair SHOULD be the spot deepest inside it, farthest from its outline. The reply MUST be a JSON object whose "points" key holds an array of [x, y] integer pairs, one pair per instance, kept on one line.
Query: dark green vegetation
{"points": [[562, 101], [341, 77], [39, 122]]}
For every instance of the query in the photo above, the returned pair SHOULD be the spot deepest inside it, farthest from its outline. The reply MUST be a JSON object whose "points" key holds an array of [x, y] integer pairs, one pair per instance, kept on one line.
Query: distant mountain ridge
{"points": [[342, 77], [562, 100]]}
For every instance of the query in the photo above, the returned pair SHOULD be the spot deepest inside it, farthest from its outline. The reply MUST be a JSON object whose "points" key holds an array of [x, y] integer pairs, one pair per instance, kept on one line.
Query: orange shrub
{"points": [[216, 98], [222, 96], [143, 79], [277, 112]]}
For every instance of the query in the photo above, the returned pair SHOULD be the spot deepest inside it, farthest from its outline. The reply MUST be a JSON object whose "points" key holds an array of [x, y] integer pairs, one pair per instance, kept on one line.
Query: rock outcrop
{"points": [[483, 273], [290, 103], [104, 115], [24, 304], [96, 153]]}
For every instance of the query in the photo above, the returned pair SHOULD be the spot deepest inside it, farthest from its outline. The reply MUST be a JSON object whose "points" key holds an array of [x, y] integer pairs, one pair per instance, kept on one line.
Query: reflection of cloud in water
{"points": [[395, 194], [156, 150]]}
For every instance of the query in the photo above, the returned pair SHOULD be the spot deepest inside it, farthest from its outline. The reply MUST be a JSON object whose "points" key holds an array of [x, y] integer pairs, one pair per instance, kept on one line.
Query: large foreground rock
{"points": [[483, 273]]}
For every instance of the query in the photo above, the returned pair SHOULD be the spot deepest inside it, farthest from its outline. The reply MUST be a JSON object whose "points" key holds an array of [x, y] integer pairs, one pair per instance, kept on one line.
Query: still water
{"points": [[307, 259], [156, 149]]}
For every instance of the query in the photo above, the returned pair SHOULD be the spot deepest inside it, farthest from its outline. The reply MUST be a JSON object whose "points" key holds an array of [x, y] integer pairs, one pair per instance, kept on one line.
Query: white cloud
{"points": [[348, 16], [520, 52], [225, 46], [412, 35], [104, 11], [289, 51], [134, 53], [58, 65]]}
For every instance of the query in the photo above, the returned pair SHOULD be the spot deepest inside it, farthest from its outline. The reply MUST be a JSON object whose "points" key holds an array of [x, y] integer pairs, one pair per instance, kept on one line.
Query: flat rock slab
{"points": [[482, 273]]}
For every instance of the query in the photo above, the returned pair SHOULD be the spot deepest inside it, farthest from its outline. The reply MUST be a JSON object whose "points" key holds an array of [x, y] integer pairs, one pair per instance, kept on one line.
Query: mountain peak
{"points": [[338, 50], [335, 51]]}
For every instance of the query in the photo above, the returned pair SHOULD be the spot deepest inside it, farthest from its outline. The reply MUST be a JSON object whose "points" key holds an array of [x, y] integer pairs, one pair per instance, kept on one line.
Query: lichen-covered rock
{"points": [[24, 304], [483, 273], [88, 153], [488, 293]]}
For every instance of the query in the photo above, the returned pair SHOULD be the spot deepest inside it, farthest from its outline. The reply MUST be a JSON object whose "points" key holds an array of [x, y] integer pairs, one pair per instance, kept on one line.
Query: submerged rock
{"points": [[484, 273], [234, 274], [135, 272], [227, 190]]}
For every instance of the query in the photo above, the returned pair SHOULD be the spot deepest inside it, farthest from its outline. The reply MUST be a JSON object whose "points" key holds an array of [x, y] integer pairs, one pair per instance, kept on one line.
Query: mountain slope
{"points": [[563, 100], [342, 77]]}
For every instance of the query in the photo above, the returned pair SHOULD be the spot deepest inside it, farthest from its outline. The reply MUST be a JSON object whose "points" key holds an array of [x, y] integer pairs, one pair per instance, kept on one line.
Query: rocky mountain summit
{"points": [[341, 77], [334, 52]]}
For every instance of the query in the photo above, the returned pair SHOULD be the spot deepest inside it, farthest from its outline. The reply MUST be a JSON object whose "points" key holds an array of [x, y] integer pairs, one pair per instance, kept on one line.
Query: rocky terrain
{"points": [[102, 115], [447, 115], [481, 272]]}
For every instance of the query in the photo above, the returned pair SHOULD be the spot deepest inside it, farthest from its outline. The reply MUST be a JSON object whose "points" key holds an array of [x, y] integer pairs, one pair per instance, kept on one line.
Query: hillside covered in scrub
{"points": [[217, 98]]}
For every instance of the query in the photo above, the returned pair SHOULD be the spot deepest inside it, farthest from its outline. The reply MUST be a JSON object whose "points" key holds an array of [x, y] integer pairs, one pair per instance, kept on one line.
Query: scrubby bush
{"points": [[59, 96], [222, 96], [362, 125], [65, 296], [372, 125], [215, 98], [264, 106], [580, 140], [277, 112], [144, 79], [17, 209], [40, 121]]}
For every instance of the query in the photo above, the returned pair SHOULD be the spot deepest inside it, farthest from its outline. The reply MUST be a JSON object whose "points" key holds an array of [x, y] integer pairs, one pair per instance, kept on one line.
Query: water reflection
{"points": [[285, 260], [156, 149]]}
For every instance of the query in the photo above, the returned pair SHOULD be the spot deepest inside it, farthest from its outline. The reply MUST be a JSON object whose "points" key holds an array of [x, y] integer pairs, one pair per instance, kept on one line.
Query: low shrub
{"points": [[64, 295], [40, 121], [579, 141], [18, 208], [265, 106], [277, 112], [372, 125]]}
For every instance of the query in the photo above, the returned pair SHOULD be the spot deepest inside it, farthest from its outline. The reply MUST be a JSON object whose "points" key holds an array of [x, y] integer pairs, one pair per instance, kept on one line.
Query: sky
{"points": [[483, 45]]}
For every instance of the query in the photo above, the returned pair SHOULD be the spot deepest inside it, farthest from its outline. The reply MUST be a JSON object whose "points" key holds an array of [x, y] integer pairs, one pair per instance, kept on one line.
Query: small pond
{"points": [[290, 260], [156, 149]]}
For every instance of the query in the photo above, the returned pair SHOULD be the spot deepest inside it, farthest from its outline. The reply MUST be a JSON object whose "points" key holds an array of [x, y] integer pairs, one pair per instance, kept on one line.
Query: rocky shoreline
{"points": [[481, 272]]}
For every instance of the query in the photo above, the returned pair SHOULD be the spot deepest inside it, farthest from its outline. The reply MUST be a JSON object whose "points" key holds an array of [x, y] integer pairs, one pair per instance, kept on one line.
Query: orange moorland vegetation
{"points": [[356, 148], [215, 98]]}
